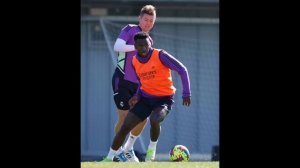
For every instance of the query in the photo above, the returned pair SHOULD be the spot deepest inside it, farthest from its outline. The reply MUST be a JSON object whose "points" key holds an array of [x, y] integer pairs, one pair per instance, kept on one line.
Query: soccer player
{"points": [[124, 80], [154, 97]]}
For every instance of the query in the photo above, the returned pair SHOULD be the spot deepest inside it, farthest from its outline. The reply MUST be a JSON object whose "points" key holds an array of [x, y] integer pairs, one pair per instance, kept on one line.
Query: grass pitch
{"points": [[205, 164]]}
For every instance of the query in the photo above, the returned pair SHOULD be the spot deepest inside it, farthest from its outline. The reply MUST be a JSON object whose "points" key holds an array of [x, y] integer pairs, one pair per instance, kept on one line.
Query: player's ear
{"points": [[149, 42]]}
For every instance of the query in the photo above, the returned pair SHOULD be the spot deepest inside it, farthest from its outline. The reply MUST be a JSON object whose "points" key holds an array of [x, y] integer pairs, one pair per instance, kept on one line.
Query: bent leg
{"points": [[156, 117]]}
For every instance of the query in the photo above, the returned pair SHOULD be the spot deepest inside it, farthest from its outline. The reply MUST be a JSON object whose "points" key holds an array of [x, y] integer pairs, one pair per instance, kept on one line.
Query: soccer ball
{"points": [[179, 153]]}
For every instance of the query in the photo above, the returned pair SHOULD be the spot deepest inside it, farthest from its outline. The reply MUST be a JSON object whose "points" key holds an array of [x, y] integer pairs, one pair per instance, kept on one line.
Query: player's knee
{"points": [[156, 119]]}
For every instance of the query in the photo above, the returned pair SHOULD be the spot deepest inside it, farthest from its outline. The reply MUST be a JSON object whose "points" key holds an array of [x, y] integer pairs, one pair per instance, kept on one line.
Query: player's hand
{"points": [[186, 101], [132, 101]]}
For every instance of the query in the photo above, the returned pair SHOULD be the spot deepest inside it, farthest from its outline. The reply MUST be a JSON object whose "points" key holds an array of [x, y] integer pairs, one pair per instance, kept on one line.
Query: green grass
{"points": [[150, 165]]}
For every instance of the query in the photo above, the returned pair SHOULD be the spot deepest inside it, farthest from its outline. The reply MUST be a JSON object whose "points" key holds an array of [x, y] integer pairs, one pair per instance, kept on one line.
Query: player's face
{"points": [[146, 22], [142, 46]]}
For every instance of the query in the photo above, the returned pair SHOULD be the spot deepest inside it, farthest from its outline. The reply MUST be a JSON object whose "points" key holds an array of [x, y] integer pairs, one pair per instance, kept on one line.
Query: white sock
{"points": [[130, 142], [119, 150], [152, 145], [111, 153]]}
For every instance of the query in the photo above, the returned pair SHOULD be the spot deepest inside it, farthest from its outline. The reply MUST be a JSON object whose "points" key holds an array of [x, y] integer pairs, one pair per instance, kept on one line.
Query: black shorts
{"points": [[123, 90], [145, 106]]}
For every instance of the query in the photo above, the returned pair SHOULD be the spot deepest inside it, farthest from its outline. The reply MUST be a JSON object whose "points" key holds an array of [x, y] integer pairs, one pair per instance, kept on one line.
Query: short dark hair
{"points": [[141, 35]]}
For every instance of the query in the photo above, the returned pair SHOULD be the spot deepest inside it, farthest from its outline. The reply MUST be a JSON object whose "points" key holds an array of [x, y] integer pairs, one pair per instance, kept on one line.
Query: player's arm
{"points": [[175, 65], [124, 36], [121, 46]]}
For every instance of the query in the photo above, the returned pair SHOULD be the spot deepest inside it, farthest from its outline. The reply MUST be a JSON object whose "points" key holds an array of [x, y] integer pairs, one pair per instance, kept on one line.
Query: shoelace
{"points": [[128, 155], [122, 157]]}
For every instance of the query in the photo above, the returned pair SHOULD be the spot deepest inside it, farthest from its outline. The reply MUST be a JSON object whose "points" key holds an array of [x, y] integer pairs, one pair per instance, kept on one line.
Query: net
{"points": [[196, 45]]}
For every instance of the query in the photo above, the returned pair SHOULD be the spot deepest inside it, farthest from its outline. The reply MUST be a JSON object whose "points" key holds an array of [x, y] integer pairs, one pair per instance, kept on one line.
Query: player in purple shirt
{"points": [[142, 104], [124, 80]]}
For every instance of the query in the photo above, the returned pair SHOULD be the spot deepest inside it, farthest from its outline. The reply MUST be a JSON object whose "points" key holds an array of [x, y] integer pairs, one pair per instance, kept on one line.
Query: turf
{"points": [[151, 165]]}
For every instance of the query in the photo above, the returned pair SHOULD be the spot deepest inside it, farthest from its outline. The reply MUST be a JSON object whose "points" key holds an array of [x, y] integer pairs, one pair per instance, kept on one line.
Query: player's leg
{"points": [[121, 117], [118, 91], [128, 146], [154, 132], [123, 107], [130, 122], [133, 118], [123, 91], [156, 117], [119, 98], [136, 131], [133, 135]]}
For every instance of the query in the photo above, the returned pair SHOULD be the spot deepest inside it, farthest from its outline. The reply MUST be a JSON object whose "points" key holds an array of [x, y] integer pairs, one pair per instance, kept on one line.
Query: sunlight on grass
{"points": [[151, 165]]}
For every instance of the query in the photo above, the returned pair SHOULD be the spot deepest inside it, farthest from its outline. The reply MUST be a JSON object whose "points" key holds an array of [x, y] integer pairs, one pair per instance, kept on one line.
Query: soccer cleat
{"points": [[121, 157], [131, 156], [115, 159], [150, 155], [106, 160]]}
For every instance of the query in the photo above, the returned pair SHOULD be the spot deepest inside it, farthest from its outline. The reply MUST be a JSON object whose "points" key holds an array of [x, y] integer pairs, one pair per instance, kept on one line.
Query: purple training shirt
{"points": [[125, 58], [171, 62]]}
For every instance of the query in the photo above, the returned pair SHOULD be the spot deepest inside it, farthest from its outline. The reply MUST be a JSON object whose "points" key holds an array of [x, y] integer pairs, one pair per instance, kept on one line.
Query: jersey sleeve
{"points": [[171, 62], [125, 33]]}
